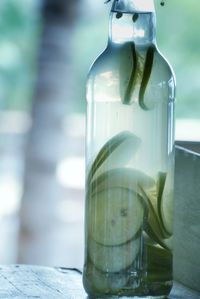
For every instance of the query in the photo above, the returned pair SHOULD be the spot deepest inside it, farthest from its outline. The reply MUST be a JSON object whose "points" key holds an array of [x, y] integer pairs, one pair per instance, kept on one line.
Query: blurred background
{"points": [[46, 48]]}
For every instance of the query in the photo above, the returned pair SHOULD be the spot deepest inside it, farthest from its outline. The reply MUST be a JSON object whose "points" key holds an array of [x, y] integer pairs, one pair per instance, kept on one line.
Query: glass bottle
{"points": [[130, 161]]}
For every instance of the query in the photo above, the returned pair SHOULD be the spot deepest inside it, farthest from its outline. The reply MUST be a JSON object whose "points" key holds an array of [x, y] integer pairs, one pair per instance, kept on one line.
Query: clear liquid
{"points": [[129, 190]]}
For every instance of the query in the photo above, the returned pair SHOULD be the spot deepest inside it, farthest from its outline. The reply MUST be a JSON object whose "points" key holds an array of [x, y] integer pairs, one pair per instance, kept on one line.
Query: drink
{"points": [[130, 162]]}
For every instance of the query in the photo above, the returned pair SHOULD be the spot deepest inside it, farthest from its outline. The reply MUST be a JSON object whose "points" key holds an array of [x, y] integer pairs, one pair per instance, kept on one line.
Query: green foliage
{"points": [[178, 39], [89, 40], [18, 41]]}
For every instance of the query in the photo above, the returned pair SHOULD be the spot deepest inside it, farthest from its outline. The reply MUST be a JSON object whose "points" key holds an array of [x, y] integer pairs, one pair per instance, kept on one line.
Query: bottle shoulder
{"points": [[162, 62], [104, 62], [127, 72], [114, 56]]}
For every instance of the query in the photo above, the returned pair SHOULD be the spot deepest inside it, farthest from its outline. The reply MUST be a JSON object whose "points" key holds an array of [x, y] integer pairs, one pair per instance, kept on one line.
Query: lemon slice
{"points": [[115, 216], [113, 258]]}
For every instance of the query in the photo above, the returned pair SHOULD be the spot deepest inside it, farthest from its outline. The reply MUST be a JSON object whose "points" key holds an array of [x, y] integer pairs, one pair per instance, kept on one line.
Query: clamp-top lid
{"points": [[131, 6]]}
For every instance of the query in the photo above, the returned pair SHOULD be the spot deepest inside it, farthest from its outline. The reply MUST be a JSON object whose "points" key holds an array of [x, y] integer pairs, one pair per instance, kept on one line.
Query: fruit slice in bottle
{"points": [[115, 153], [116, 215], [113, 258]]}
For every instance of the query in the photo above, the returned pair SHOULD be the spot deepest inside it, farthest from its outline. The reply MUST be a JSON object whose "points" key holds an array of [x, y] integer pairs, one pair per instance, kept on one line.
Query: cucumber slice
{"points": [[105, 282], [115, 216], [161, 200], [115, 153], [159, 263], [122, 177], [158, 257], [167, 202], [146, 76], [127, 70], [167, 211], [113, 258], [169, 243], [161, 186], [152, 225]]}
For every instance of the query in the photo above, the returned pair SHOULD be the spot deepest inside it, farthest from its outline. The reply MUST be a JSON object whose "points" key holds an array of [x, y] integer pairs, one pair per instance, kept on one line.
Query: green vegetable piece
{"points": [[158, 257], [133, 63], [159, 263], [146, 76], [161, 184], [113, 258], [139, 75], [152, 226], [115, 216], [124, 178], [154, 236], [118, 150], [103, 281]]}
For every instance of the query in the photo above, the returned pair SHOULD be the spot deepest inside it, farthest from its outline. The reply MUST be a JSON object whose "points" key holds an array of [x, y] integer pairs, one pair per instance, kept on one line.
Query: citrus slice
{"points": [[113, 258], [115, 216]]}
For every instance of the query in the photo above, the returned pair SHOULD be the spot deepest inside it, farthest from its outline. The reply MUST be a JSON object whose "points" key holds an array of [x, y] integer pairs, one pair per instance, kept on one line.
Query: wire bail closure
{"points": [[162, 3]]}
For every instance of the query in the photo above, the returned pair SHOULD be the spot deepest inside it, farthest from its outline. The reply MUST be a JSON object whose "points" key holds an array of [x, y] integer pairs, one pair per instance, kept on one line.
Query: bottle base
{"points": [[127, 297], [152, 291]]}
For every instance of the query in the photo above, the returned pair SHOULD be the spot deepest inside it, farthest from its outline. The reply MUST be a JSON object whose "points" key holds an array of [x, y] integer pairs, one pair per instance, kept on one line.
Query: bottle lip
{"points": [[133, 6]]}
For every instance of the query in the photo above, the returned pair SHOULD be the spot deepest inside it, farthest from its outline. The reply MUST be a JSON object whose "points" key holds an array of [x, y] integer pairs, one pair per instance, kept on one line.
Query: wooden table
{"points": [[31, 282]]}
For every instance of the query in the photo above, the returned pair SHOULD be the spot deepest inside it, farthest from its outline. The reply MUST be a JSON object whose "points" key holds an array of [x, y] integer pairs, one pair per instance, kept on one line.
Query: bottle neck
{"points": [[133, 21]]}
